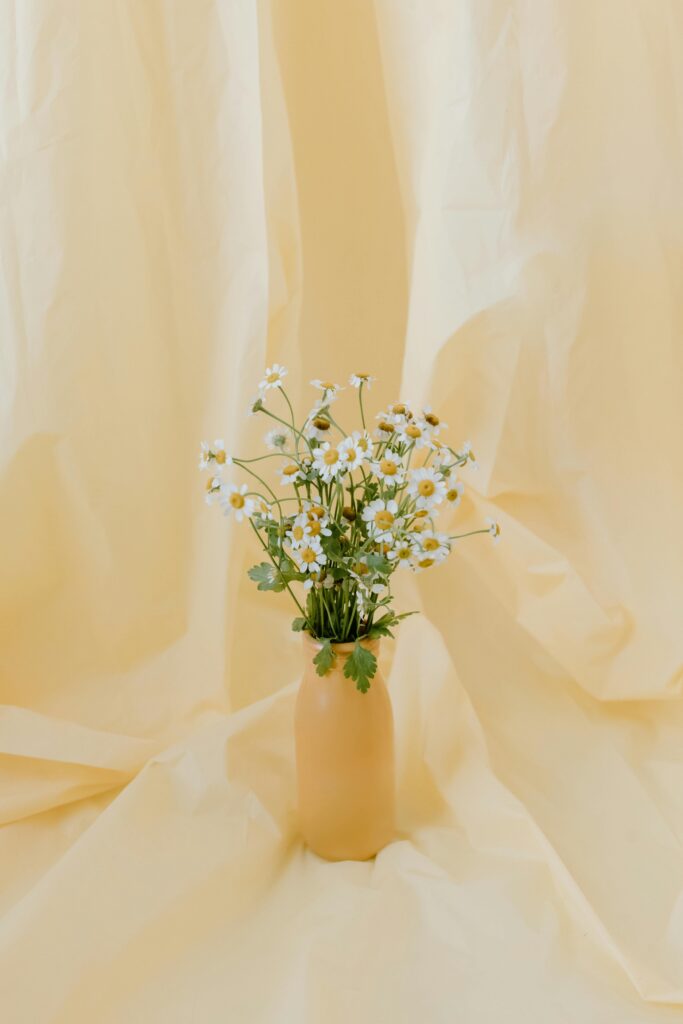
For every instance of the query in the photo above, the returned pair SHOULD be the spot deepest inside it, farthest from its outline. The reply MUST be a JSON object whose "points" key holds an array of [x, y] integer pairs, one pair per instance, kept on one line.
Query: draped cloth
{"points": [[478, 202]]}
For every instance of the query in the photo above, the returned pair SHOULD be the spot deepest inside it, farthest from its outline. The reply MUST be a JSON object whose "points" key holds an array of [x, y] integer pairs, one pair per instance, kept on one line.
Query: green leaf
{"points": [[298, 624], [325, 658], [266, 576], [382, 626], [379, 563], [361, 665]]}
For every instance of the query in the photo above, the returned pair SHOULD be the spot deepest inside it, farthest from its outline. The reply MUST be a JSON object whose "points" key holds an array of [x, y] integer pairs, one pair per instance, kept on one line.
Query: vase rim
{"points": [[344, 648]]}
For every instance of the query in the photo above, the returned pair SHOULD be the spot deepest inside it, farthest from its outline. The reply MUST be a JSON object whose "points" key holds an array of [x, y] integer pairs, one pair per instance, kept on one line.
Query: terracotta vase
{"points": [[345, 760]]}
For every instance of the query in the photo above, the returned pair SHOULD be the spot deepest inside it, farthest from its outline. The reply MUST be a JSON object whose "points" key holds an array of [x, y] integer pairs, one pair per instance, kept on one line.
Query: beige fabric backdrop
{"points": [[480, 202]]}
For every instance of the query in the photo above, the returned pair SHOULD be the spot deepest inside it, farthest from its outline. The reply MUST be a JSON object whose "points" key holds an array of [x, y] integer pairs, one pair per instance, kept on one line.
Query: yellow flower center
{"points": [[350, 454], [328, 385], [425, 563], [388, 467], [363, 444], [453, 494], [362, 376], [431, 544], [413, 431], [314, 528], [431, 419], [237, 500], [331, 456], [361, 569], [320, 423], [426, 488], [386, 427], [399, 409], [298, 532], [220, 458], [308, 555], [290, 470], [421, 513], [418, 526], [316, 512], [272, 377], [384, 518], [404, 553], [209, 484]]}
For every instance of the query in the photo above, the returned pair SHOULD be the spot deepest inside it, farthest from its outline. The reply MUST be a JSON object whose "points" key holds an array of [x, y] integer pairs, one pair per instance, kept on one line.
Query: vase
{"points": [[344, 759]]}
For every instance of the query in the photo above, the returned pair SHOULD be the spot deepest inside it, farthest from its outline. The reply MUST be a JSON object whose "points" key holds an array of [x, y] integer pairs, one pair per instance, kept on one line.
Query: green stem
{"points": [[278, 570]]}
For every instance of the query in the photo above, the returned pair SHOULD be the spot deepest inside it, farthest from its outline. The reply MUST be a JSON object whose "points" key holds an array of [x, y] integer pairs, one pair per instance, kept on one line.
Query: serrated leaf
{"points": [[325, 658], [379, 563], [361, 666], [266, 576], [298, 624]]}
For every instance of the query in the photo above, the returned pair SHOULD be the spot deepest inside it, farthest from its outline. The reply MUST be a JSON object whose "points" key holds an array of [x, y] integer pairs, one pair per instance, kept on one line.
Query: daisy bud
{"points": [[320, 423], [431, 419], [349, 513]]}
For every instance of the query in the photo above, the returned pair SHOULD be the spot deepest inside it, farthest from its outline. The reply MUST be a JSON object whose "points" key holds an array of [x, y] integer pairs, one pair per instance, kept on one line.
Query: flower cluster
{"points": [[356, 507]]}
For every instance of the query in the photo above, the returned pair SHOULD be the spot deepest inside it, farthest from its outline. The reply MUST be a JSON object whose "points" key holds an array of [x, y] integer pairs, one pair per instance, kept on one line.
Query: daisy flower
{"points": [[234, 500], [385, 427], [363, 440], [309, 557], [204, 455], [467, 453], [263, 509], [305, 527], [328, 388], [416, 432], [402, 555], [277, 440], [389, 468], [435, 424], [434, 545], [214, 485], [427, 487], [273, 377], [494, 529], [381, 517], [290, 473], [454, 492], [358, 380], [317, 426], [328, 462], [352, 452]]}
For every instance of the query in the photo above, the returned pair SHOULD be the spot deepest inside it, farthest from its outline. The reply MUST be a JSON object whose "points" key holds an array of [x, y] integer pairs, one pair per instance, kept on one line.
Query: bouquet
{"points": [[350, 510]]}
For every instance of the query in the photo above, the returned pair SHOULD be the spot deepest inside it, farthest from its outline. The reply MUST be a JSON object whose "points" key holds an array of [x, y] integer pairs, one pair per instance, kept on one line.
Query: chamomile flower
{"points": [[290, 473], [214, 484], [434, 545], [403, 555], [427, 487], [381, 517], [263, 510], [359, 380], [467, 453], [305, 527], [389, 468], [273, 377], [309, 557], [329, 389], [277, 440], [352, 452], [363, 441], [235, 502], [317, 426], [204, 455], [385, 426], [494, 529], [454, 492], [328, 462], [430, 418], [416, 432]]}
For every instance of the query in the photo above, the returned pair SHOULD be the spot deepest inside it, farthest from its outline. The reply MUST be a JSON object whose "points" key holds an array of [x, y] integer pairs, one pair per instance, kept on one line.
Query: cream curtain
{"points": [[478, 201]]}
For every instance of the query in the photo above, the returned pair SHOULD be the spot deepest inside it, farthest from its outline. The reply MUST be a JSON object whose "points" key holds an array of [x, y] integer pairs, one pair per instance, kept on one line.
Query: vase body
{"points": [[345, 760]]}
